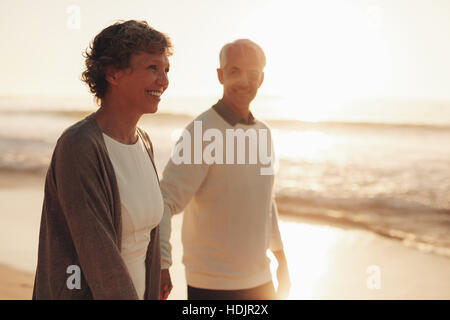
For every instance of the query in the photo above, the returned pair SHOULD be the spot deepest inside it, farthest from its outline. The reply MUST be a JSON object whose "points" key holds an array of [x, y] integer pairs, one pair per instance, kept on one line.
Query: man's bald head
{"points": [[242, 45]]}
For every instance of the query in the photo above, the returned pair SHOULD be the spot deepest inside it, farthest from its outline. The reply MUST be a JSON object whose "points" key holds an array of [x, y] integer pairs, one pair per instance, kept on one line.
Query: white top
{"points": [[141, 204], [230, 217]]}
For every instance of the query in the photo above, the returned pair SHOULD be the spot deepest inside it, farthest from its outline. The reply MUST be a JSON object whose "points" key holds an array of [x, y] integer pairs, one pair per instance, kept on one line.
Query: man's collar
{"points": [[232, 117]]}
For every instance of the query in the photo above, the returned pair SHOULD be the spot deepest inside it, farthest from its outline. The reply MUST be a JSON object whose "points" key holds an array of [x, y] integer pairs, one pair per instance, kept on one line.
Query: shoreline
{"points": [[326, 260], [32, 179], [343, 223], [336, 267]]}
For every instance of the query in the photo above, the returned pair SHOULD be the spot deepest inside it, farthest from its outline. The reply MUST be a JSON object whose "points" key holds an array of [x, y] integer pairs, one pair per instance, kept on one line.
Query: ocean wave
{"points": [[378, 203], [75, 113], [79, 113], [302, 125], [418, 226], [407, 177]]}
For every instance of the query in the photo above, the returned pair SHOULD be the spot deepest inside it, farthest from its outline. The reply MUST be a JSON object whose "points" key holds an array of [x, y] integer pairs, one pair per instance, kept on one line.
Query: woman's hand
{"points": [[166, 284]]}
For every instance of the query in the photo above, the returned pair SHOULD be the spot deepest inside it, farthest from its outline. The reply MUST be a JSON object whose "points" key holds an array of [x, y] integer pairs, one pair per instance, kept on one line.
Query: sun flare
{"points": [[308, 248], [316, 58]]}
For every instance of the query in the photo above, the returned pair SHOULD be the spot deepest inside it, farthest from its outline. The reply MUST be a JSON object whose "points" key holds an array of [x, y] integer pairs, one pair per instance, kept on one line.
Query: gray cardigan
{"points": [[81, 223]]}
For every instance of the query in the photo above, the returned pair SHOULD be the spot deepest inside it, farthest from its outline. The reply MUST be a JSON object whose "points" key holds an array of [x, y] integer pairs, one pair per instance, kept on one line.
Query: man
{"points": [[230, 214]]}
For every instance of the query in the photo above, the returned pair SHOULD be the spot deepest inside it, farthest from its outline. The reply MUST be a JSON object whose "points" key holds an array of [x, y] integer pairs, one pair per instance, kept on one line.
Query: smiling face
{"points": [[241, 76], [141, 85]]}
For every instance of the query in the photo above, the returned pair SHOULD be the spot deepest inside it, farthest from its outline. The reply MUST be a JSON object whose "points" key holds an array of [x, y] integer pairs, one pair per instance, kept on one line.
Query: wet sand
{"points": [[325, 261]]}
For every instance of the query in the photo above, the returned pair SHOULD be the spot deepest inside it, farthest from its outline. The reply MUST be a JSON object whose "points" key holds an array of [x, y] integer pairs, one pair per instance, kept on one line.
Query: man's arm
{"points": [[276, 246], [179, 184]]}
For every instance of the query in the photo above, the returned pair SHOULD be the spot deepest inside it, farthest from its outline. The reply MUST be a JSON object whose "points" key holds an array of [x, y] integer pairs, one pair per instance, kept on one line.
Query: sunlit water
{"points": [[391, 179]]}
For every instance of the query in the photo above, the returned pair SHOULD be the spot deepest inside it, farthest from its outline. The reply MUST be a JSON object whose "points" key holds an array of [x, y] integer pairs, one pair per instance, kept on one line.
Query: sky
{"points": [[327, 50]]}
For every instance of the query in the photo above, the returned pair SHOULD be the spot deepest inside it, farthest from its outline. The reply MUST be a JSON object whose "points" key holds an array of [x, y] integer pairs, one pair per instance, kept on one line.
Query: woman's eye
{"points": [[167, 70], [152, 67]]}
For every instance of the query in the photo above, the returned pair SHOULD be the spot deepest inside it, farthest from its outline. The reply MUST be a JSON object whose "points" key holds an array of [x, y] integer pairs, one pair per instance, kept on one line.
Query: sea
{"points": [[379, 165]]}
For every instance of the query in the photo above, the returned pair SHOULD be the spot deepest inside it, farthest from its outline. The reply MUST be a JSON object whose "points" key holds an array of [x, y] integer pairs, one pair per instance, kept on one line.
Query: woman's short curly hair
{"points": [[113, 47]]}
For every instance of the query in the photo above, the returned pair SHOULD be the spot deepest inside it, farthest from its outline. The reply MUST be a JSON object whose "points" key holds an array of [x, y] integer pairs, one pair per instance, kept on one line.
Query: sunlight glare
{"points": [[319, 56], [308, 249], [309, 145]]}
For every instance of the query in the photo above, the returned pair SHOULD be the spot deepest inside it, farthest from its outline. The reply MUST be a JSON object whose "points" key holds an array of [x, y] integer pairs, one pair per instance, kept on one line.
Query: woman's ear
{"points": [[112, 76]]}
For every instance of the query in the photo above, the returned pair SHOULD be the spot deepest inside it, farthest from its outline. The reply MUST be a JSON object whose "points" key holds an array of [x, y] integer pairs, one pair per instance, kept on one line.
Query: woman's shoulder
{"points": [[143, 133], [146, 139], [81, 135]]}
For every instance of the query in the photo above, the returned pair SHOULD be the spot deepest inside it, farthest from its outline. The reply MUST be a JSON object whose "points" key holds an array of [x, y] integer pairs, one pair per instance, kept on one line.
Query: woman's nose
{"points": [[163, 79]]}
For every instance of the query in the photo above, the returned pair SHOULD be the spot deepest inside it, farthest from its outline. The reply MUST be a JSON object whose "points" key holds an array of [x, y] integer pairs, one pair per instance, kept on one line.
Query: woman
{"points": [[99, 236]]}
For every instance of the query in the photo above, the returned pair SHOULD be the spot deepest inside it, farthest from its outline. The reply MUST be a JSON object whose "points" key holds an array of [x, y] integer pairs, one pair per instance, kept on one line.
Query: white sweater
{"points": [[230, 216]]}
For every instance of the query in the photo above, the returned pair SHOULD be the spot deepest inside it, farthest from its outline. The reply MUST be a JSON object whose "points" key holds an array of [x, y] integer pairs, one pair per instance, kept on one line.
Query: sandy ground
{"points": [[325, 262], [15, 285]]}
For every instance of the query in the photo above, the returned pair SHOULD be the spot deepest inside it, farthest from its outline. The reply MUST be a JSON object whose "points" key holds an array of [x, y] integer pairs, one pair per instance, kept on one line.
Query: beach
{"points": [[356, 114], [326, 261]]}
